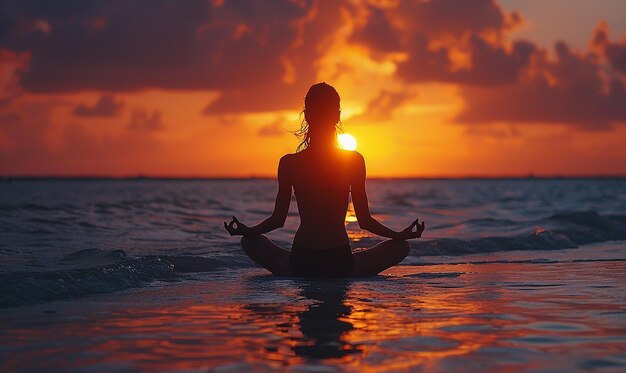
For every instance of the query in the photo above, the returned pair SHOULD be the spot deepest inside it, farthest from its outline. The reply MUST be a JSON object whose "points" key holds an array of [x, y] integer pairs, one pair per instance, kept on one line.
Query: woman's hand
{"points": [[236, 228], [409, 233]]}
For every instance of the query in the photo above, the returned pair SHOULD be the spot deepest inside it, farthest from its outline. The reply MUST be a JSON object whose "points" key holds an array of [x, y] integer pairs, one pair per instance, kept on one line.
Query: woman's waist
{"points": [[323, 222], [321, 239], [322, 209]]}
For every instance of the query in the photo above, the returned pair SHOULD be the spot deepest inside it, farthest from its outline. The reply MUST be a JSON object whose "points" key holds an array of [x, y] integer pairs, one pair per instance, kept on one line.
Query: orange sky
{"points": [[213, 88]]}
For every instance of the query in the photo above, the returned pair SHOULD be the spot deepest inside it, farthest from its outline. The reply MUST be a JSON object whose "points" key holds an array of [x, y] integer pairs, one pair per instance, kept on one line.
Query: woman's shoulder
{"points": [[353, 156], [287, 161], [287, 158]]}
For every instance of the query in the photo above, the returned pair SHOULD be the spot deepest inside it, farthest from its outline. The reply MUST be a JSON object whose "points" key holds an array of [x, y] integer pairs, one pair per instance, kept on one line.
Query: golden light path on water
{"points": [[414, 318]]}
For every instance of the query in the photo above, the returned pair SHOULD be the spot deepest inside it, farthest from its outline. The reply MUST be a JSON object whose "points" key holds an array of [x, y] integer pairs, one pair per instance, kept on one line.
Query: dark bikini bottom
{"points": [[322, 263]]}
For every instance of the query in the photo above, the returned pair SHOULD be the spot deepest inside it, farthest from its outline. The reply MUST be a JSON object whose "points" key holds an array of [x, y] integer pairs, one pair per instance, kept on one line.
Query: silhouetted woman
{"points": [[322, 176]]}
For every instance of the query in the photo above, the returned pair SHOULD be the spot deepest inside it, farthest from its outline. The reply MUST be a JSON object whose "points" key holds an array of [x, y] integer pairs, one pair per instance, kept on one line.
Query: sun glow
{"points": [[347, 141]]}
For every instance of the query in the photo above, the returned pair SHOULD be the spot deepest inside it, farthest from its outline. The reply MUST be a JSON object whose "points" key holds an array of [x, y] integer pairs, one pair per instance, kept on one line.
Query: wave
{"points": [[107, 271], [571, 230], [94, 271]]}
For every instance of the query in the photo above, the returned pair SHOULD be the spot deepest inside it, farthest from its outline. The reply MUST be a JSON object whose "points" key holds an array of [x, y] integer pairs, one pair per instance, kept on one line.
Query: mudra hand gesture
{"points": [[237, 228], [408, 233]]}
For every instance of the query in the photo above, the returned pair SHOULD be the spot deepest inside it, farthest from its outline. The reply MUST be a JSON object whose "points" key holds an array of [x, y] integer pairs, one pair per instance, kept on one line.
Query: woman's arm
{"points": [[281, 207], [362, 210]]}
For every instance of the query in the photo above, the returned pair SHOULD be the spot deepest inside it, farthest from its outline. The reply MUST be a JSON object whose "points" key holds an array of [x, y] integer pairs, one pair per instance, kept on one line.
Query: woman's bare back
{"points": [[321, 183]]}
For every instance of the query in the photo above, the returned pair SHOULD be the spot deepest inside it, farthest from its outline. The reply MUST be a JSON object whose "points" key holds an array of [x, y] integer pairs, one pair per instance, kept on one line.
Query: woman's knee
{"points": [[254, 239], [400, 248], [253, 243], [405, 247], [398, 245]]}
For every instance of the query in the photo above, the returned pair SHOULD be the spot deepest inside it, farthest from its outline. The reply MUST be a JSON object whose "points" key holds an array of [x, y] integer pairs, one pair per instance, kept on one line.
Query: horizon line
{"points": [[268, 177]]}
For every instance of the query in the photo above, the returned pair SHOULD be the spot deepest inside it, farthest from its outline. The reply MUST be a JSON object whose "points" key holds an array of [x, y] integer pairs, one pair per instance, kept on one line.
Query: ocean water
{"points": [[510, 275], [72, 238]]}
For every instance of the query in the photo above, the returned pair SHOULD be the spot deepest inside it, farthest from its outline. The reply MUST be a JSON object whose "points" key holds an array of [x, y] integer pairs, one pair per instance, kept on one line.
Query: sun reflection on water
{"points": [[434, 318]]}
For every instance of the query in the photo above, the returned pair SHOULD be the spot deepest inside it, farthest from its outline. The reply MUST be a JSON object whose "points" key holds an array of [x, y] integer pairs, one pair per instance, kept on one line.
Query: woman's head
{"points": [[321, 115]]}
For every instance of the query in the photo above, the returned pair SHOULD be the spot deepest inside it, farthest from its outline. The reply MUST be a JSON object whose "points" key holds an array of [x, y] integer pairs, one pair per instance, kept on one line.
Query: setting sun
{"points": [[347, 141]]}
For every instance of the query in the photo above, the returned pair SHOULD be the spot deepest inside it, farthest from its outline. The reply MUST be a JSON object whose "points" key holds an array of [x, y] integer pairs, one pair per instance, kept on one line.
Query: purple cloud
{"points": [[106, 106]]}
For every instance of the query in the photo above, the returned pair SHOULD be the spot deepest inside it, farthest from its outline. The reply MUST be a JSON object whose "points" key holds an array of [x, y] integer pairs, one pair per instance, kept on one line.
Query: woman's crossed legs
{"points": [[369, 262]]}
